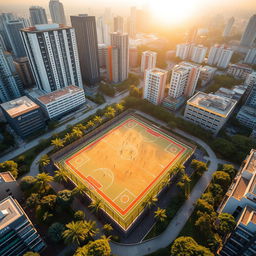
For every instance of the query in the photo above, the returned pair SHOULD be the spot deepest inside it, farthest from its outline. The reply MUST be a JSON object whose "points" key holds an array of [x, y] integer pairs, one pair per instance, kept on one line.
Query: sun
{"points": [[173, 11]]}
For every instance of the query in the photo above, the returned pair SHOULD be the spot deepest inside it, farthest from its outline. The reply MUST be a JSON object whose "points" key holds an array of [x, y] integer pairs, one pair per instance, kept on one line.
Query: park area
{"points": [[124, 165]]}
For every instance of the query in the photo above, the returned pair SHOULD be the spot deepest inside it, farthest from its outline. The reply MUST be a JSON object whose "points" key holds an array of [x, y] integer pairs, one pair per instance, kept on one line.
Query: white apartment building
{"points": [[53, 56], [220, 56], [184, 51], [56, 104], [148, 60], [154, 85], [240, 71], [209, 111], [250, 57], [247, 116], [184, 79], [251, 79], [207, 74], [198, 53]]}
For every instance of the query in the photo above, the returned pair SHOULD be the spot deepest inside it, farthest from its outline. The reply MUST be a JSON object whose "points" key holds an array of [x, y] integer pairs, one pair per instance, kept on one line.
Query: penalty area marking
{"points": [[109, 173], [172, 149]]}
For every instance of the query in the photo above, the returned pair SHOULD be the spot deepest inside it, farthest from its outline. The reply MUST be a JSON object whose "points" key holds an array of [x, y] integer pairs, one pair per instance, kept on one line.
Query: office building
{"points": [[220, 56], [13, 28], [102, 50], [251, 98], [24, 116], [57, 12], [154, 85], [58, 103], [250, 57], [121, 42], [184, 79], [17, 233], [198, 53], [23, 69], [10, 84], [148, 60], [228, 27], [37, 15], [239, 71], [249, 34], [207, 74], [4, 17], [87, 43], [111, 55], [247, 116], [133, 57], [209, 111], [240, 202], [119, 24], [53, 56]]}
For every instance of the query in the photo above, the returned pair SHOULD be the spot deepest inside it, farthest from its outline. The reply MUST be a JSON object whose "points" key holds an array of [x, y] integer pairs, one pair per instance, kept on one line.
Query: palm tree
{"points": [[90, 124], [68, 138], [57, 143], [75, 233], [97, 120], [95, 206], [44, 161], [80, 127], [150, 202], [90, 228], [42, 180], [160, 214], [119, 107], [47, 216], [110, 112], [108, 228], [60, 175], [186, 181], [80, 190], [77, 133]]}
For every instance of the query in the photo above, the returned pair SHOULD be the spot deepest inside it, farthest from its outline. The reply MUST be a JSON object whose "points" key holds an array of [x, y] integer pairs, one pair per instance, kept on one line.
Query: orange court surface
{"points": [[125, 163]]}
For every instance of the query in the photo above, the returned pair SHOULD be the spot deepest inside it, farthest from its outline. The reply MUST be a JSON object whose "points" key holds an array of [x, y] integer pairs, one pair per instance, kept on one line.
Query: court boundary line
{"points": [[139, 197]]}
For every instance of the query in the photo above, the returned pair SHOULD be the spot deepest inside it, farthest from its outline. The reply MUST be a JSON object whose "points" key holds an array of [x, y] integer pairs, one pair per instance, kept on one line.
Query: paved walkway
{"points": [[177, 223]]}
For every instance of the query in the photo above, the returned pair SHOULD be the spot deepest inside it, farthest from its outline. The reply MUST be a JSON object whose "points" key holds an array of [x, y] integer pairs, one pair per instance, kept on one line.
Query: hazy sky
{"points": [[243, 7]]}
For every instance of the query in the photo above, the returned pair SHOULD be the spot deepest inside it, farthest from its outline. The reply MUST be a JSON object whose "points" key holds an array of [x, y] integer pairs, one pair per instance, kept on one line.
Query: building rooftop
{"points": [[149, 52], [215, 104], [189, 64], [240, 187], [158, 71], [250, 164], [19, 106], [10, 211], [241, 65], [53, 96], [45, 28], [6, 177], [248, 215], [208, 69]]}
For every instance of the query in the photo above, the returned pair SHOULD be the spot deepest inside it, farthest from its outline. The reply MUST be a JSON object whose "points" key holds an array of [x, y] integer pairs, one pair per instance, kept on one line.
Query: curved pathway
{"points": [[181, 217]]}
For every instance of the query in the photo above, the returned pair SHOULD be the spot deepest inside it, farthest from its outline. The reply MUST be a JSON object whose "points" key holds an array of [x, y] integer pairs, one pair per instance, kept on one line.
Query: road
{"points": [[61, 128]]}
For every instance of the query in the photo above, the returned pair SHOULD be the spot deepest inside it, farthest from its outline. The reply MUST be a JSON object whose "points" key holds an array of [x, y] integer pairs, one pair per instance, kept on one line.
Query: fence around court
{"points": [[127, 220]]}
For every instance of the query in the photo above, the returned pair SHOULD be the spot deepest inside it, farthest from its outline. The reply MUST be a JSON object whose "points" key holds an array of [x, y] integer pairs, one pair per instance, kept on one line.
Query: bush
{"points": [[55, 232], [107, 89]]}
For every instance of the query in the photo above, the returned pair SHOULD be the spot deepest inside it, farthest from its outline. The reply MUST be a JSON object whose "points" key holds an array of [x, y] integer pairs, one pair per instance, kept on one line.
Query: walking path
{"points": [[180, 219]]}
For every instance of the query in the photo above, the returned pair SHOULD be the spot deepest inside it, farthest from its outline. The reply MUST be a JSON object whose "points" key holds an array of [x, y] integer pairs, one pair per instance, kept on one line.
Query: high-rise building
{"points": [[249, 34], [103, 31], [184, 79], [4, 17], [198, 53], [184, 51], [148, 60], [220, 56], [239, 71], [17, 233], [24, 71], [228, 27], [121, 42], [57, 12], [206, 74], [10, 85], [111, 55], [133, 57], [87, 44], [132, 22], [13, 28], [119, 24], [250, 57], [53, 56], [37, 15], [154, 85]]}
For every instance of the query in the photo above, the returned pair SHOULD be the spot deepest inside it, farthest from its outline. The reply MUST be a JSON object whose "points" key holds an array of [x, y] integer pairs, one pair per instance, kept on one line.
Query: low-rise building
{"points": [[9, 186], [24, 116], [207, 74], [173, 104], [209, 111], [240, 71], [236, 93], [61, 102], [247, 116], [17, 233]]}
